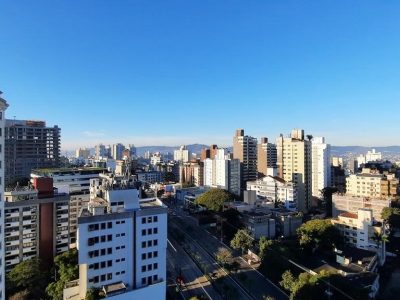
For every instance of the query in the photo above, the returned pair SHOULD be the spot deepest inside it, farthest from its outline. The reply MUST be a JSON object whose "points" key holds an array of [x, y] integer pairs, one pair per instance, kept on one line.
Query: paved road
{"points": [[195, 284], [222, 280], [254, 282]]}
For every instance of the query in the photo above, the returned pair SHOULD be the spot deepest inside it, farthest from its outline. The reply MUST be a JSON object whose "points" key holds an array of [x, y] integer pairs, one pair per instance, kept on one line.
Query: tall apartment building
{"points": [[266, 156], [321, 165], [132, 150], [117, 151], [82, 153], [182, 154], [192, 173], [208, 153], [122, 243], [75, 183], [30, 145], [36, 223], [223, 172], [374, 185], [3, 107], [347, 203], [245, 150], [294, 165], [101, 151]]}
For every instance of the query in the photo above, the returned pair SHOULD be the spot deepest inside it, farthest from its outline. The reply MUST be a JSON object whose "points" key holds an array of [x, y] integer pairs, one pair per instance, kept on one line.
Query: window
{"points": [[103, 252], [109, 237], [143, 244], [150, 267], [155, 277], [155, 266], [109, 263], [109, 225], [155, 242], [103, 225], [143, 255], [109, 276], [143, 268], [155, 253], [149, 219], [155, 230], [149, 231], [109, 250], [143, 231], [103, 238], [150, 243], [143, 220], [103, 277], [103, 264], [155, 219], [150, 255]]}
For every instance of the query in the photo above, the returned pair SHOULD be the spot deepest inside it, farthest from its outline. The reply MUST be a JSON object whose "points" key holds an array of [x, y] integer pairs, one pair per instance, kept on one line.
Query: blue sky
{"points": [[174, 72]]}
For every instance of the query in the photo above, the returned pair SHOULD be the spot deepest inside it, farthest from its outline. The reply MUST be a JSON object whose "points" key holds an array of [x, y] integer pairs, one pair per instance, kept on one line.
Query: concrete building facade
{"points": [[321, 165], [122, 243], [245, 150], [295, 165], [30, 145], [3, 108], [266, 156]]}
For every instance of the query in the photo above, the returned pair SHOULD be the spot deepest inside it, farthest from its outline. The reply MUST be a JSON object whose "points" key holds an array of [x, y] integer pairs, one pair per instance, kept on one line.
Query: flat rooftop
{"points": [[47, 171]]}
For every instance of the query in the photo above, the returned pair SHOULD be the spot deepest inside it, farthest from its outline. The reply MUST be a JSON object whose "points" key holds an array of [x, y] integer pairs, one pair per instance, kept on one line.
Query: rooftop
{"points": [[349, 215], [47, 171]]}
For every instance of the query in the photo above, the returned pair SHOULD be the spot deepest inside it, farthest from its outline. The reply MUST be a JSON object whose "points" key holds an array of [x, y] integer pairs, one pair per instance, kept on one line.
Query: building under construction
{"points": [[30, 145]]}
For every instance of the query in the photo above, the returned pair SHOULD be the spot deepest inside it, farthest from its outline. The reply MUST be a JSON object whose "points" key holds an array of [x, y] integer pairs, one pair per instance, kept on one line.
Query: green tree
{"points": [[318, 234], [288, 280], [93, 294], [263, 245], [214, 199], [391, 215], [27, 276], [67, 269], [242, 240], [223, 256]]}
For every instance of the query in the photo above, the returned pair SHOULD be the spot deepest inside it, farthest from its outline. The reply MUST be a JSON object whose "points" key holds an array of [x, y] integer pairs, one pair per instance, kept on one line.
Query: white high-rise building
{"points": [[122, 243], [321, 165], [3, 107], [222, 172], [117, 151], [182, 154]]}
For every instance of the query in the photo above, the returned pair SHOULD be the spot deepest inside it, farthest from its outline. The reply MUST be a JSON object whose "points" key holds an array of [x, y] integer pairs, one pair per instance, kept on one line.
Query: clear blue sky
{"points": [[172, 72]]}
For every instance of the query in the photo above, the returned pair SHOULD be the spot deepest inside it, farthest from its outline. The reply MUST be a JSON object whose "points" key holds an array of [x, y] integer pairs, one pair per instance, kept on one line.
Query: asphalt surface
{"points": [[252, 285], [195, 283]]}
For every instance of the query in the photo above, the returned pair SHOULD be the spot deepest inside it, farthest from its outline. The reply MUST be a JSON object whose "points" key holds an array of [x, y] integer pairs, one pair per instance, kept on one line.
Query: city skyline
{"points": [[290, 65]]}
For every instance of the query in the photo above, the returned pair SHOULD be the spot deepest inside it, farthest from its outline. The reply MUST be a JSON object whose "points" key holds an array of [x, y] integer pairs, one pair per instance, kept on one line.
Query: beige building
{"points": [[192, 173], [359, 229], [374, 185], [347, 203], [245, 149], [294, 165], [266, 156]]}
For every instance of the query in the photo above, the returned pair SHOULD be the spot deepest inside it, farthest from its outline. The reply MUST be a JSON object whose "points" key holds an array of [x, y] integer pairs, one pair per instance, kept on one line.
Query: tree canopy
{"points": [[67, 269], [242, 240], [391, 215], [223, 256], [318, 235], [27, 279], [214, 199]]}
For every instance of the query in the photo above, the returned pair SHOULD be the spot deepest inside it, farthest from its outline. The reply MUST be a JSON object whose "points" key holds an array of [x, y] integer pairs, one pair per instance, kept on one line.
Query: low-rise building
{"points": [[287, 222], [361, 230], [149, 177], [347, 203], [259, 224]]}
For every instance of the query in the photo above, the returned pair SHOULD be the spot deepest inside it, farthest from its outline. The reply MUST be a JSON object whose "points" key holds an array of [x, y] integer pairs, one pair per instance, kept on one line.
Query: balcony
{"points": [[12, 252], [12, 215], [29, 249]]}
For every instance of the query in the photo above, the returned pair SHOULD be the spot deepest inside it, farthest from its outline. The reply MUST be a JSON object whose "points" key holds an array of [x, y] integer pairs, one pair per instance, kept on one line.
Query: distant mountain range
{"points": [[345, 150]]}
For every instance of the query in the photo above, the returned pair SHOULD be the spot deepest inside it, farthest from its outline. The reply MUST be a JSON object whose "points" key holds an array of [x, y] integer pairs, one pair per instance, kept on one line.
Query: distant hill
{"points": [[343, 150]]}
